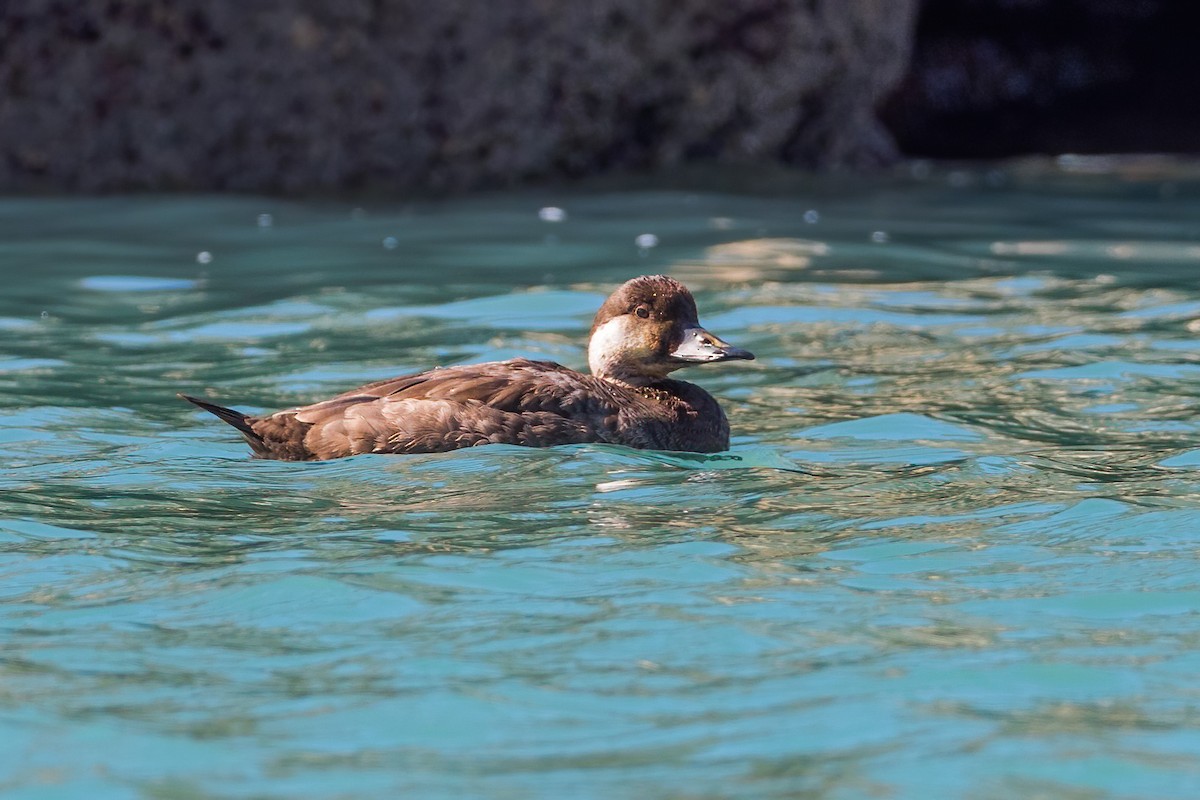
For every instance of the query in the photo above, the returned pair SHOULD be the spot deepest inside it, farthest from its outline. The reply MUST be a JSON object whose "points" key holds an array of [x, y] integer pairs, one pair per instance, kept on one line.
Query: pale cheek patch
{"points": [[612, 344], [606, 344]]}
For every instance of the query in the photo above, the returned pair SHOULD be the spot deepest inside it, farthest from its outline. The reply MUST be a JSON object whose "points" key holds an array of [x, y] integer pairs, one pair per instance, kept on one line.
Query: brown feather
{"points": [[523, 402]]}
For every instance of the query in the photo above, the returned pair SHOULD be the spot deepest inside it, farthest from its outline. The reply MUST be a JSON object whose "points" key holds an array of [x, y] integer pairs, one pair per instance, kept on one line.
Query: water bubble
{"points": [[265, 220], [45, 315], [552, 214], [880, 237], [204, 257], [646, 241], [812, 217], [390, 243], [720, 223]]}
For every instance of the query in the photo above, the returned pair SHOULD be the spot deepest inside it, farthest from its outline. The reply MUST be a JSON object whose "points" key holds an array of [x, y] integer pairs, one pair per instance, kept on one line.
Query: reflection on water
{"points": [[957, 525]]}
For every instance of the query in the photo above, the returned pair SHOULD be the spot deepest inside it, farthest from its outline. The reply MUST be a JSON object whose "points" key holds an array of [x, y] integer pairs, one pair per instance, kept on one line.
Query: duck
{"points": [[647, 329]]}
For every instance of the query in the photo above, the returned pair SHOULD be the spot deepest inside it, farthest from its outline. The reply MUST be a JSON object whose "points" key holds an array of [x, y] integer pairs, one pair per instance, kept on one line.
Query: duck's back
{"points": [[531, 403]]}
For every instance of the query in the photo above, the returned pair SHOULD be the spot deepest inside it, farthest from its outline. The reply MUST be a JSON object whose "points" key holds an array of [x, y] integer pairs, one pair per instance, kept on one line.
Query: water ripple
{"points": [[957, 525]]}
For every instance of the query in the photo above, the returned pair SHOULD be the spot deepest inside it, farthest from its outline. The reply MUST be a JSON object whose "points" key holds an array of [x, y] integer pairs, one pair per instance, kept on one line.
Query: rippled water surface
{"points": [[952, 553]]}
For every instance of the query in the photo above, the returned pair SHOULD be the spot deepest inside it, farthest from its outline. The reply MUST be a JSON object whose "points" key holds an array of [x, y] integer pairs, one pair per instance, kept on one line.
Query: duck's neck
{"points": [[615, 370], [628, 379], [652, 387]]}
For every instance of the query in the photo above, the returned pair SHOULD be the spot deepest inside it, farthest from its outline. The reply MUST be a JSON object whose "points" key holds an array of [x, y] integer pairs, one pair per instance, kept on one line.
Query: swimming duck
{"points": [[645, 330]]}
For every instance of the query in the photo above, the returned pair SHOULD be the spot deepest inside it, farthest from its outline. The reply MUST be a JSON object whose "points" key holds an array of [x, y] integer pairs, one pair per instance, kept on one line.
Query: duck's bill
{"points": [[701, 347]]}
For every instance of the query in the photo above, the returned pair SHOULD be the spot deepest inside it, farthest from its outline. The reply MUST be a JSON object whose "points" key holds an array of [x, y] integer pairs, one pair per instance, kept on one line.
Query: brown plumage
{"points": [[643, 331]]}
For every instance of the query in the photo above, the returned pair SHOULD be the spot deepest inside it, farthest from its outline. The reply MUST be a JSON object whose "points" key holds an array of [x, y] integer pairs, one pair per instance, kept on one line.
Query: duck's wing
{"points": [[533, 403]]}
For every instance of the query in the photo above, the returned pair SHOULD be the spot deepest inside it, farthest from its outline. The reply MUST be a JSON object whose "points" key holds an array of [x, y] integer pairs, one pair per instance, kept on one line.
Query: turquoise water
{"points": [[953, 552]]}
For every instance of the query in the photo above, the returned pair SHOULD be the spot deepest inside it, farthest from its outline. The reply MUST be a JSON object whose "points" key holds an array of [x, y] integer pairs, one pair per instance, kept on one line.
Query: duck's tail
{"points": [[235, 418]]}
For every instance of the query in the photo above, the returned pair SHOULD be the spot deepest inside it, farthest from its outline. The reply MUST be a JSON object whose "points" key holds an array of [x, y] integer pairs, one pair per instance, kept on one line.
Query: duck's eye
{"points": [[642, 312]]}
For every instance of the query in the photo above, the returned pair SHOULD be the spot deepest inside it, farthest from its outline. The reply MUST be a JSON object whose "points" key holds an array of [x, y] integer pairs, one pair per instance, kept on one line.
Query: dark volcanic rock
{"points": [[310, 94]]}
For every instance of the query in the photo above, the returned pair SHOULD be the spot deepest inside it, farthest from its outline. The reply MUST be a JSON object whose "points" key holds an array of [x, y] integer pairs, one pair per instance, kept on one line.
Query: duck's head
{"points": [[648, 328]]}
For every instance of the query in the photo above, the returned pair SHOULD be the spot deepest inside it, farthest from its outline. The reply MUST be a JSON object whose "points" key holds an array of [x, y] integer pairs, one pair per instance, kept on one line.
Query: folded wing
{"points": [[532, 403]]}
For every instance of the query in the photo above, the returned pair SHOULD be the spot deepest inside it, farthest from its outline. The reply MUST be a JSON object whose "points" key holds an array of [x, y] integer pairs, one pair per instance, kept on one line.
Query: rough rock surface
{"points": [[400, 94]]}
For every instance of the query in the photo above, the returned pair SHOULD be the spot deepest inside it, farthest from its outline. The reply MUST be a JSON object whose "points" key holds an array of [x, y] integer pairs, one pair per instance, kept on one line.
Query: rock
{"points": [[308, 95], [993, 78]]}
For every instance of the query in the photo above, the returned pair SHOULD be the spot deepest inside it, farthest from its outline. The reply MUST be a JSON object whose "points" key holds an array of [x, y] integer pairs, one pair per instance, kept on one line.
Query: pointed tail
{"points": [[235, 418]]}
